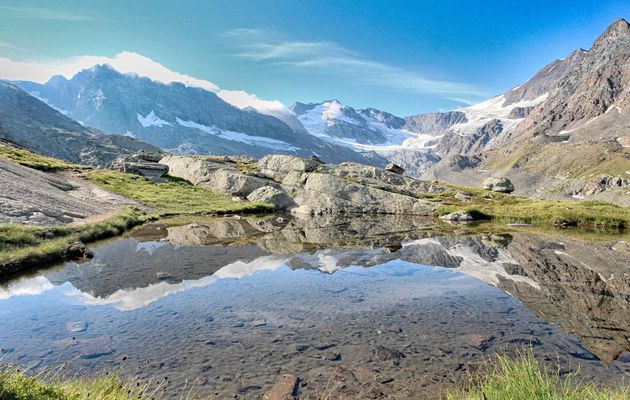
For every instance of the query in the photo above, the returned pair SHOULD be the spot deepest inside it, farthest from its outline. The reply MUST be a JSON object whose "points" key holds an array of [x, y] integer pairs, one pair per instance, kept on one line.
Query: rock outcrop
{"points": [[272, 195], [214, 174], [35, 197], [143, 163], [308, 186]]}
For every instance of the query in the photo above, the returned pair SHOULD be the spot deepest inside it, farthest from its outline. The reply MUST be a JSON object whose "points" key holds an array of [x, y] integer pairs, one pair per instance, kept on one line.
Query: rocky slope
{"points": [[35, 197], [570, 134], [31, 123], [178, 118]]}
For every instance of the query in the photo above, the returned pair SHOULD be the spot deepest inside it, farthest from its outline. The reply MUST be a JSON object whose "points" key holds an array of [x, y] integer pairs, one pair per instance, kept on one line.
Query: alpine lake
{"points": [[356, 307]]}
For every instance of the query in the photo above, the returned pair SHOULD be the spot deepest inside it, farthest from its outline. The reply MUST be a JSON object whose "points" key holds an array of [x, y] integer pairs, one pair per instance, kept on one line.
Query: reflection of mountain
{"points": [[126, 264], [583, 288]]}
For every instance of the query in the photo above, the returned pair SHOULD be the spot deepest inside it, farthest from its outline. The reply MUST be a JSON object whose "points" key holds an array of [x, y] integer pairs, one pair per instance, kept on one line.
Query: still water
{"points": [[387, 307]]}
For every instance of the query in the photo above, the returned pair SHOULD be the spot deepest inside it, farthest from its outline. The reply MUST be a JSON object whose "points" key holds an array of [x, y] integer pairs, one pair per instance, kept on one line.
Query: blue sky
{"points": [[401, 56]]}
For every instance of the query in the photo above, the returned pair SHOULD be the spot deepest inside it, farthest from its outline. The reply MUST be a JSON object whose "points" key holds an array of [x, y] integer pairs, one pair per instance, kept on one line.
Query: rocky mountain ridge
{"points": [[31, 123], [178, 118]]}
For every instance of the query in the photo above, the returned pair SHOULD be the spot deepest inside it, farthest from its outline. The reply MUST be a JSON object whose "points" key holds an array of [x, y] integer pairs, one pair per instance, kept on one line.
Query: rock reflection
{"points": [[581, 287]]}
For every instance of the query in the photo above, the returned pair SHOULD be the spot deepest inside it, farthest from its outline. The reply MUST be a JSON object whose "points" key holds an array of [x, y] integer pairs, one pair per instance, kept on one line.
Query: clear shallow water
{"points": [[225, 306]]}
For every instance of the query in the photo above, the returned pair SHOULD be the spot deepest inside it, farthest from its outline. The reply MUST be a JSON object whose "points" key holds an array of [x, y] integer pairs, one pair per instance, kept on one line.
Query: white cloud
{"points": [[42, 13], [329, 58], [242, 99], [125, 62], [11, 46], [129, 62]]}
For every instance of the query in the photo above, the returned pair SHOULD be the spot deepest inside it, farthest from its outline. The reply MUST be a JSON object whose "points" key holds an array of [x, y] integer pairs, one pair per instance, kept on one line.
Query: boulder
{"points": [[283, 168], [501, 185], [144, 164], [78, 250], [273, 195], [397, 169], [463, 216], [214, 175], [328, 194]]}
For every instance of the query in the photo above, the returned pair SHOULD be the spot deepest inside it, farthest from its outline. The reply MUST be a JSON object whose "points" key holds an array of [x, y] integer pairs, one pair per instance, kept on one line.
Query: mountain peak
{"points": [[618, 30]]}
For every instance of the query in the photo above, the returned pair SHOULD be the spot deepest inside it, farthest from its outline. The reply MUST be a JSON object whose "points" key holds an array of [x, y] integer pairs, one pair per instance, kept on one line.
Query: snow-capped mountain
{"points": [[362, 129], [177, 117]]}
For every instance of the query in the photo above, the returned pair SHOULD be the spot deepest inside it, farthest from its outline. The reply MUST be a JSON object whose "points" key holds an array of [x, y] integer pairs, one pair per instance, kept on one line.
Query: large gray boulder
{"points": [[214, 175], [328, 194], [272, 195], [502, 185], [286, 169]]}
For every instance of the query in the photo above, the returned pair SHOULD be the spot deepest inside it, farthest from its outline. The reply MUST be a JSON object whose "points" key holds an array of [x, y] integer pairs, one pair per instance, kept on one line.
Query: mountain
{"points": [[406, 141], [31, 123], [179, 118], [564, 133]]}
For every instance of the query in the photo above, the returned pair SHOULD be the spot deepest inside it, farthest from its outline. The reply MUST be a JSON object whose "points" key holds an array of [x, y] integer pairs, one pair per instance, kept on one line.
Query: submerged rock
{"points": [[501, 185], [285, 388]]}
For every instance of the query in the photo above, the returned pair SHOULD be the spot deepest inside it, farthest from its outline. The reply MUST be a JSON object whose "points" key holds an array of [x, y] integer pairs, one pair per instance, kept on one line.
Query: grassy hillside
{"points": [[501, 207], [34, 160], [174, 197]]}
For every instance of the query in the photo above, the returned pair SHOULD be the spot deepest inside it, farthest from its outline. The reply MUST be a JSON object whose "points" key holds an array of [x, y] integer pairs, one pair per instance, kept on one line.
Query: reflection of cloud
{"points": [[25, 287], [42, 13], [133, 299], [149, 247], [240, 269], [329, 58]]}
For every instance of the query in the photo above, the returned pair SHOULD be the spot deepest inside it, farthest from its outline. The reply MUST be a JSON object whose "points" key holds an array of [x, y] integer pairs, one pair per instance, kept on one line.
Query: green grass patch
{"points": [[176, 196], [523, 378], [15, 385], [34, 160], [23, 245], [506, 208]]}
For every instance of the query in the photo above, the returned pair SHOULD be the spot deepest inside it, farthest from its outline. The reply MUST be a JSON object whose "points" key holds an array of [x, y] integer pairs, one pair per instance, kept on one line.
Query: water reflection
{"points": [[238, 301]]}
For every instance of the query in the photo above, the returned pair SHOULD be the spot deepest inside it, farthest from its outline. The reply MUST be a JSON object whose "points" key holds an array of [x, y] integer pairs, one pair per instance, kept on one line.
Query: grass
{"points": [[523, 378], [174, 197], [501, 378], [15, 385], [501, 207], [23, 245], [34, 160]]}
